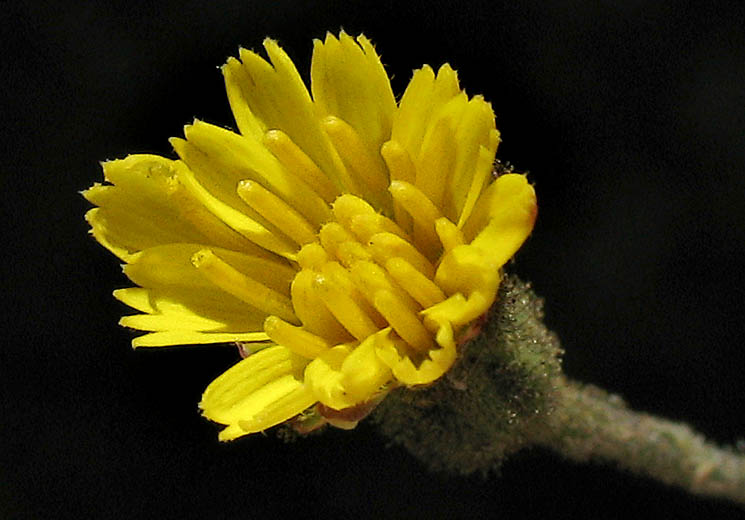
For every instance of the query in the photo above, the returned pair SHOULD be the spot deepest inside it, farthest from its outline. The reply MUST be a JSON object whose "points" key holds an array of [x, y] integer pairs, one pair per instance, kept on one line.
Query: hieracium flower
{"points": [[344, 240]]}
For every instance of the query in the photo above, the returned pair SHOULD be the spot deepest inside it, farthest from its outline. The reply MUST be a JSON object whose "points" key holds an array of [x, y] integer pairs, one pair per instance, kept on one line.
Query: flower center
{"points": [[365, 273]]}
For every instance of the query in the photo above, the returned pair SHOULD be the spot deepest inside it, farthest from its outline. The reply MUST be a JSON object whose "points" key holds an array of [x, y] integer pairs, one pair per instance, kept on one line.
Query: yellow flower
{"points": [[348, 240]]}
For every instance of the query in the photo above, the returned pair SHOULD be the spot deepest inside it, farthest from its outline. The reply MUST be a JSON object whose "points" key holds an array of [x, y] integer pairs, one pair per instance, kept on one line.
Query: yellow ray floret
{"points": [[350, 240], [257, 393], [348, 81]]}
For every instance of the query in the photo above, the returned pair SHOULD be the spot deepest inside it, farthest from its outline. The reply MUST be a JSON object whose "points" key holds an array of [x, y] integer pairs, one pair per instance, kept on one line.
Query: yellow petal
{"points": [[217, 233], [349, 81], [505, 219], [370, 278], [415, 107], [242, 379], [482, 171], [398, 161], [273, 91], [243, 287], [363, 373], [160, 322], [236, 219], [300, 341], [477, 139], [457, 310], [234, 158], [323, 378], [166, 266], [424, 96], [338, 295], [311, 310], [401, 318], [184, 304], [332, 236], [435, 163], [466, 269], [188, 337], [360, 218], [182, 310], [210, 175], [278, 99], [343, 377], [276, 211], [416, 284], [430, 369], [312, 256], [136, 212], [251, 388], [176, 298], [385, 246], [170, 265], [401, 168], [295, 160], [287, 398], [449, 234], [422, 212], [236, 81], [365, 165]]}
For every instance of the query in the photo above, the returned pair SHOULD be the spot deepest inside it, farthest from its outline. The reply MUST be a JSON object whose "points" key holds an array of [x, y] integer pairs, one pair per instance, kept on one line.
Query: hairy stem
{"points": [[588, 423], [508, 392]]}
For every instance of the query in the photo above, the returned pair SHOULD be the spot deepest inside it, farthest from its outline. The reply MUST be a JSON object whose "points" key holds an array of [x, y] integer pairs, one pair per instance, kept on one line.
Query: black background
{"points": [[630, 118]]}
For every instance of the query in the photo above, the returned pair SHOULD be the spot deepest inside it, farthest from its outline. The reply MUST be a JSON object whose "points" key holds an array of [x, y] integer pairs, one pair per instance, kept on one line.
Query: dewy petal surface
{"points": [[345, 241]]}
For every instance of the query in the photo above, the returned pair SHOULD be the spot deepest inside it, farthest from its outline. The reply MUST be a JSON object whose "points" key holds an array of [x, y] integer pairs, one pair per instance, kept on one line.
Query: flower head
{"points": [[343, 239]]}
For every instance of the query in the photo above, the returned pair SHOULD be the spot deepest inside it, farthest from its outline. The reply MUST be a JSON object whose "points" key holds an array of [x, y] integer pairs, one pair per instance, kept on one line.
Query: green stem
{"points": [[588, 423], [508, 392]]}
